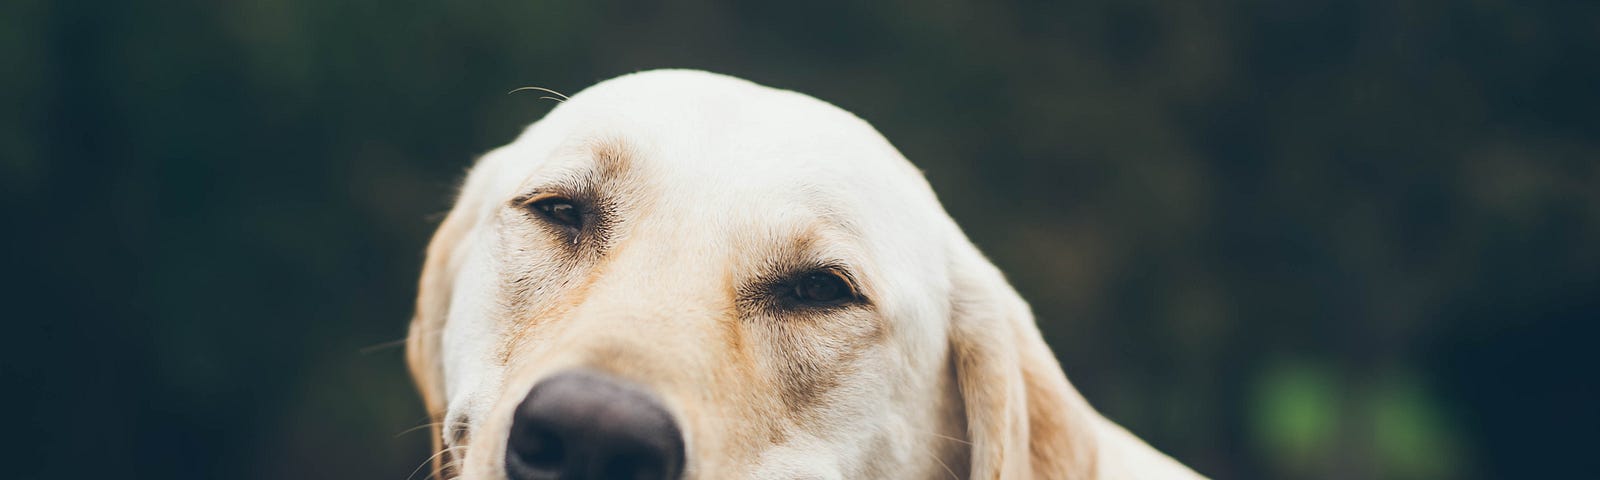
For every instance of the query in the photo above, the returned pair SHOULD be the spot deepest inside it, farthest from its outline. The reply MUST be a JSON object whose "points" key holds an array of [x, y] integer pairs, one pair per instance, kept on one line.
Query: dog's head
{"points": [[682, 275]]}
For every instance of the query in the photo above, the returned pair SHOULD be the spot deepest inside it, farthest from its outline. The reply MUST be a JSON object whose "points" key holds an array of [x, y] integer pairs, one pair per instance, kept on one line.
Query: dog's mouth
{"points": [[448, 463], [451, 450]]}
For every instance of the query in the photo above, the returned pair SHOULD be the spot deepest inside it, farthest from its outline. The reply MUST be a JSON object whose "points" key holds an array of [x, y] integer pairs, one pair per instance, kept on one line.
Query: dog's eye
{"points": [[558, 210], [822, 288]]}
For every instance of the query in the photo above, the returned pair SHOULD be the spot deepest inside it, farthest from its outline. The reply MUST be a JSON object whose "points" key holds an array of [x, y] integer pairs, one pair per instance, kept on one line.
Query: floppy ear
{"points": [[1024, 420]]}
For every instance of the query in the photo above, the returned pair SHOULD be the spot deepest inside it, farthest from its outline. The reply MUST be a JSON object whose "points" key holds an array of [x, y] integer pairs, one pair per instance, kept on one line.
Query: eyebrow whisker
{"points": [[542, 89]]}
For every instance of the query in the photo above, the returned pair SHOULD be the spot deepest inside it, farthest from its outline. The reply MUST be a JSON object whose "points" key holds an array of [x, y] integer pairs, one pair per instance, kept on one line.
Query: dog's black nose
{"points": [[583, 425]]}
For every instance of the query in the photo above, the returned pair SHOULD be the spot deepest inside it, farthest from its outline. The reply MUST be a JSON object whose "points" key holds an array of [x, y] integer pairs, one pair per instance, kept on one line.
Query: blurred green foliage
{"points": [[1306, 239], [1295, 415]]}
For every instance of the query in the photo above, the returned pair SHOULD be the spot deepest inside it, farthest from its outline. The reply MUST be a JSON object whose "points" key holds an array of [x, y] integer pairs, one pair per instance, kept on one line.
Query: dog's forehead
{"points": [[717, 156], [696, 119], [709, 136]]}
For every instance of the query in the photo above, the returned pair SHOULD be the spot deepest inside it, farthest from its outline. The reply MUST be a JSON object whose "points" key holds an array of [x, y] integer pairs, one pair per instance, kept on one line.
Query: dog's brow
{"points": [[608, 160], [814, 249], [612, 156]]}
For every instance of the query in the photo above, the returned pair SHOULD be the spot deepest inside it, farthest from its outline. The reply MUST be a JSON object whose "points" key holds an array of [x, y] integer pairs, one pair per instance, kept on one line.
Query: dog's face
{"points": [[759, 274], [682, 275]]}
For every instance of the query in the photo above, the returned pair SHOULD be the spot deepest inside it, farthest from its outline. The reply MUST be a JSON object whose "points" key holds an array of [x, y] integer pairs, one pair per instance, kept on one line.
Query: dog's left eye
{"points": [[822, 288]]}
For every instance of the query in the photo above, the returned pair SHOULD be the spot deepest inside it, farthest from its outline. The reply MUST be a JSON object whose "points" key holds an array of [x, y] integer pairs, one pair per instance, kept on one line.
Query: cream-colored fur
{"points": [[707, 186]]}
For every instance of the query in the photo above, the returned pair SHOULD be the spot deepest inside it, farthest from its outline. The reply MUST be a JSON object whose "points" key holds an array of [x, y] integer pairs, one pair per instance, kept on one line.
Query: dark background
{"points": [[1277, 239]]}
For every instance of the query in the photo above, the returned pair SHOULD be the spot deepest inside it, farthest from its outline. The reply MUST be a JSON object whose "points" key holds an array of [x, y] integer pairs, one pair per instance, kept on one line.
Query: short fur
{"points": [[706, 189]]}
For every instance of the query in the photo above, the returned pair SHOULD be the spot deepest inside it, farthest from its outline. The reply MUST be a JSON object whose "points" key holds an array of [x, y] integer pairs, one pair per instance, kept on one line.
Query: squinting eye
{"points": [[822, 288], [558, 210]]}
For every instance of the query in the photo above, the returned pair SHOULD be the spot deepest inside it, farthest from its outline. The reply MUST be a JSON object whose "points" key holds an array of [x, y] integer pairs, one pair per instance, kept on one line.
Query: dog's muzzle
{"points": [[584, 425]]}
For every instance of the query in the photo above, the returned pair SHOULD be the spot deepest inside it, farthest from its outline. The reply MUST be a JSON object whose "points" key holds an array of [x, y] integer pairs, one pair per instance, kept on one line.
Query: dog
{"points": [[682, 275]]}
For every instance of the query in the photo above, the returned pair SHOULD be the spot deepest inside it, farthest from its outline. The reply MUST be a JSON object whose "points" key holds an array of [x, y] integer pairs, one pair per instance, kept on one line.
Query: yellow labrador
{"points": [[677, 274]]}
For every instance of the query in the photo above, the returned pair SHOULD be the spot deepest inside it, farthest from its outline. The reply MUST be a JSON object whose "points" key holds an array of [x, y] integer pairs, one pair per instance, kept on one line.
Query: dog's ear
{"points": [[1023, 418]]}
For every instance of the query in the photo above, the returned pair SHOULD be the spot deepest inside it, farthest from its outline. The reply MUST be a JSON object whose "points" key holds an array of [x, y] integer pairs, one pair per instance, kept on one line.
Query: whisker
{"points": [[430, 458], [931, 451], [946, 437], [370, 349], [418, 427], [545, 90], [452, 468], [947, 469]]}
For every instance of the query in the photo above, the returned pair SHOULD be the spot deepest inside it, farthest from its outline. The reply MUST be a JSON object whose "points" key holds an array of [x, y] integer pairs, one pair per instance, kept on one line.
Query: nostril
{"points": [[538, 449], [637, 466]]}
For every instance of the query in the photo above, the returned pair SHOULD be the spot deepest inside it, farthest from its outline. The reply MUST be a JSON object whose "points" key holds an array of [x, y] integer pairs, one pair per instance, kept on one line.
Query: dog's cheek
{"points": [[814, 357]]}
